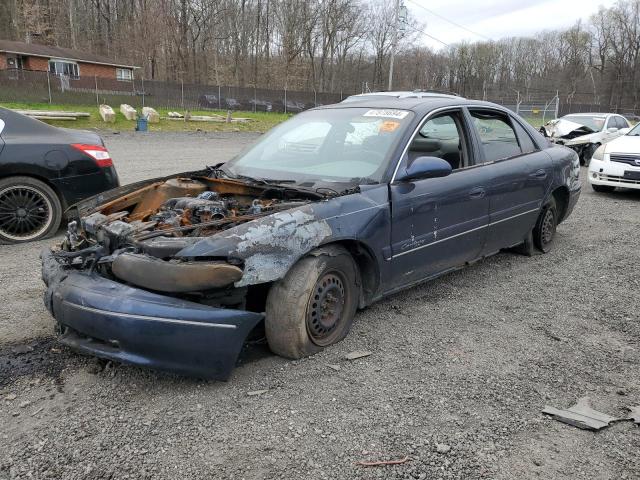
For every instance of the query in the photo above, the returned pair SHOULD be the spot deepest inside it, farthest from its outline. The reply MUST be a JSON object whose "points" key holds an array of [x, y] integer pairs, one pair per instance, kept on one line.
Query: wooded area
{"points": [[336, 45]]}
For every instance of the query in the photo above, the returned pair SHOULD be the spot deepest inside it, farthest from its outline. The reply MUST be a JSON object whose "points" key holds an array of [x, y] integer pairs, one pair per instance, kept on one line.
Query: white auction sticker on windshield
{"points": [[399, 114]]}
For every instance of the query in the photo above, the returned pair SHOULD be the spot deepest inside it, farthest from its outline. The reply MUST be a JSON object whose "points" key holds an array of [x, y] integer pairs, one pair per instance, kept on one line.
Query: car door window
{"points": [[526, 144], [611, 123], [496, 134], [621, 122], [441, 137]]}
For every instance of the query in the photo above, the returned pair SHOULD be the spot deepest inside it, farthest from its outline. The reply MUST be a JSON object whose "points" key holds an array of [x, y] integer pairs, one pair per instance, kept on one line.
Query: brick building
{"points": [[61, 61]]}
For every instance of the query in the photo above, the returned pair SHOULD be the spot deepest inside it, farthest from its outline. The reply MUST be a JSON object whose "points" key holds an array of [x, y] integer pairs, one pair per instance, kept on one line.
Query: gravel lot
{"points": [[467, 361]]}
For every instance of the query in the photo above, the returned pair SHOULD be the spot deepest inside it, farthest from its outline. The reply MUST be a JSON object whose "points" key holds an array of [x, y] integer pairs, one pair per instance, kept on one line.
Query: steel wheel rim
{"points": [[548, 227], [25, 212], [326, 309]]}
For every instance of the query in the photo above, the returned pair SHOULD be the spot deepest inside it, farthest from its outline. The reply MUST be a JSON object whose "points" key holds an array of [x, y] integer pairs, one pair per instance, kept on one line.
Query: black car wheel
{"points": [[29, 210], [588, 152], [313, 306], [544, 232], [602, 188]]}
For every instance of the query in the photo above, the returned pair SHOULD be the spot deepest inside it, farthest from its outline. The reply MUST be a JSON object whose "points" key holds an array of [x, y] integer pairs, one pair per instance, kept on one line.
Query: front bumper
{"points": [[602, 172], [114, 321]]}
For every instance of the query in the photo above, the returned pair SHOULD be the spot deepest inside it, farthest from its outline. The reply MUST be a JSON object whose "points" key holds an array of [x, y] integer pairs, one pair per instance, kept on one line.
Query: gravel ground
{"points": [[460, 369]]}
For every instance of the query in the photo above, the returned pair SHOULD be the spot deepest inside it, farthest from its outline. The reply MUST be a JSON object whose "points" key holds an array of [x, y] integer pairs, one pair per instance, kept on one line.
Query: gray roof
{"points": [[36, 50], [420, 105]]}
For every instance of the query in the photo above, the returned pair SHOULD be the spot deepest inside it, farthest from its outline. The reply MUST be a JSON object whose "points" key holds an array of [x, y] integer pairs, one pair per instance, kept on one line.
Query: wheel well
{"points": [[368, 266], [46, 181], [561, 196]]}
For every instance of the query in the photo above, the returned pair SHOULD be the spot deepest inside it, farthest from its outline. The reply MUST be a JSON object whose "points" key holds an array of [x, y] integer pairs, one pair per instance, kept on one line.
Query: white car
{"points": [[585, 132], [617, 163]]}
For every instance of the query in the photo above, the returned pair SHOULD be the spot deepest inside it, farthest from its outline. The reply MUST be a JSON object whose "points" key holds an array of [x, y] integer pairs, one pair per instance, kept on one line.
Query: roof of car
{"points": [[589, 114], [422, 104], [399, 94]]}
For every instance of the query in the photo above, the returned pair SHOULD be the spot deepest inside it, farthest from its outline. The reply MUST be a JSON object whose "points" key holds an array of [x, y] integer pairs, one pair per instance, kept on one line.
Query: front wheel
{"points": [[544, 232], [602, 188], [29, 210], [313, 306], [587, 153]]}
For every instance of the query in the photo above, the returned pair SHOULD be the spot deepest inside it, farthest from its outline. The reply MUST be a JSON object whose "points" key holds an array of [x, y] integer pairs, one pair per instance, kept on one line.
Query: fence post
{"points": [[49, 86], [182, 93], [557, 103], [285, 100], [518, 103], [315, 98], [255, 100], [95, 79], [219, 99], [143, 92]]}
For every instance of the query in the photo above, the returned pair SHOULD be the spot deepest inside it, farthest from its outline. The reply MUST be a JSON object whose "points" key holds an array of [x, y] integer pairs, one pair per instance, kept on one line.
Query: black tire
{"points": [[587, 154], [29, 210], [603, 188], [544, 232], [313, 306]]}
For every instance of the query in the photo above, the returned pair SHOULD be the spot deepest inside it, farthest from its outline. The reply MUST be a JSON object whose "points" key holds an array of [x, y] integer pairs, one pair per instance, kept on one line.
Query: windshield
{"points": [[635, 131], [330, 145], [589, 121]]}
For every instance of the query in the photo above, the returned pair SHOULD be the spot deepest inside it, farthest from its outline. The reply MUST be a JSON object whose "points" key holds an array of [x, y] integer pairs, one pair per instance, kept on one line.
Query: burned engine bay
{"points": [[133, 238]]}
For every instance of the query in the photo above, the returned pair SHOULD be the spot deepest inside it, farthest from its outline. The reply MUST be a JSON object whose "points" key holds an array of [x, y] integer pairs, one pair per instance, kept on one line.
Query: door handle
{"points": [[542, 173], [477, 192]]}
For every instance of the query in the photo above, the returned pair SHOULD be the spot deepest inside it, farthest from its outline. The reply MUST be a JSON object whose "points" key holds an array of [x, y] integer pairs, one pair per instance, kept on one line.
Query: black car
{"points": [[209, 101], [43, 170], [331, 211], [256, 105]]}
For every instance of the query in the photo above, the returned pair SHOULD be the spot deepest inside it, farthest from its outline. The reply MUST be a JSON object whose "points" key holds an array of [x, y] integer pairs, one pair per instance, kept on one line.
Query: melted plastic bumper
{"points": [[114, 321]]}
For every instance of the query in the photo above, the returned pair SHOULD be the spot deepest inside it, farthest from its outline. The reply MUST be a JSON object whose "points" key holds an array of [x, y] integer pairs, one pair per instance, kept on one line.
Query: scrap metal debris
{"points": [[635, 414], [255, 393], [382, 463], [357, 354], [581, 415]]}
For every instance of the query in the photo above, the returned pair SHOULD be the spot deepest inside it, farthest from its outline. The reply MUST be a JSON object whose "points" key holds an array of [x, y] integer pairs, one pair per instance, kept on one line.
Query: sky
{"points": [[497, 19]]}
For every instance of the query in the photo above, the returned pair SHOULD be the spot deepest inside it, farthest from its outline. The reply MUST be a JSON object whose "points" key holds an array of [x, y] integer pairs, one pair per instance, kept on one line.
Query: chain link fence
{"points": [[23, 86]]}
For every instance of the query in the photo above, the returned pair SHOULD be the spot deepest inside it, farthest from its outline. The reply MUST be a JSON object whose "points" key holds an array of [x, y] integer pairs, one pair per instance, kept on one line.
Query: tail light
{"points": [[97, 152]]}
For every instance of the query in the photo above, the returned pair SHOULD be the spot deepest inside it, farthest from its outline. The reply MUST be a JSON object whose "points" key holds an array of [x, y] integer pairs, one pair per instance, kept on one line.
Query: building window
{"points": [[124, 74], [63, 67], [15, 62]]}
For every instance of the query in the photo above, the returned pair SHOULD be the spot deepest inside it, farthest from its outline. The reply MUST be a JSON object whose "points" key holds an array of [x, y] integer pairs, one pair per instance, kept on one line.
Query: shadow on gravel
{"points": [[42, 356]]}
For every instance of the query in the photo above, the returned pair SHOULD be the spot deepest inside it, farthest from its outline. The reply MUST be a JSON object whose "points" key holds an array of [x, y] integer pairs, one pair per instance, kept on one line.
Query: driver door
{"points": [[439, 223]]}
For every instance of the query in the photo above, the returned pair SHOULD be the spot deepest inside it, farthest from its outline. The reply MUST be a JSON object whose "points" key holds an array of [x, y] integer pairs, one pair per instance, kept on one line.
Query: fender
{"points": [[269, 246]]}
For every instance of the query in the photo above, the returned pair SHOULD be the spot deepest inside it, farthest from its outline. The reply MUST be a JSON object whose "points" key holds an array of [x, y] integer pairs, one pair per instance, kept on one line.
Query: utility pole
{"points": [[394, 41]]}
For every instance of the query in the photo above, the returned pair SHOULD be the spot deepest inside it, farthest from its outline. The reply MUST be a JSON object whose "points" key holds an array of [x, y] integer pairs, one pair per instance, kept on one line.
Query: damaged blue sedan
{"points": [[327, 213]]}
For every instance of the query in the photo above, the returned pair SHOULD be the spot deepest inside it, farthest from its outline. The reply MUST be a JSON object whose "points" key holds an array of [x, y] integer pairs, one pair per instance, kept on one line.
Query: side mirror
{"points": [[612, 129], [425, 167], [624, 131]]}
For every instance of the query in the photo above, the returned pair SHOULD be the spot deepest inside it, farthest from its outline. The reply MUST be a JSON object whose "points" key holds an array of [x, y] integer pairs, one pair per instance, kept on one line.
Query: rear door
{"points": [[520, 174], [438, 223]]}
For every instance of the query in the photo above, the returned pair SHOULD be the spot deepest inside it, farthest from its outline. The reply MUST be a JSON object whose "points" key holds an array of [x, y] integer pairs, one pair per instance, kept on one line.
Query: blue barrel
{"points": [[141, 124]]}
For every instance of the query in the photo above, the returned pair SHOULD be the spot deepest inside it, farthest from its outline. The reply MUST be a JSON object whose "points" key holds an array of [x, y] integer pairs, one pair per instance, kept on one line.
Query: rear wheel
{"points": [[29, 210], [544, 232], [313, 306], [603, 188]]}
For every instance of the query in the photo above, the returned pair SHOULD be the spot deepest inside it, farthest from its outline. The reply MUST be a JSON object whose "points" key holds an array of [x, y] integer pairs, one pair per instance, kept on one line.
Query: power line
{"points": [[417, 30], [447, 20]]}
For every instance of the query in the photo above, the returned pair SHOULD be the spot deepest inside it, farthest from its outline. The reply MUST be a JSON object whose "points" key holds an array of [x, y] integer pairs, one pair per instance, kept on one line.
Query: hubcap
{"points": [[25, 213], [325, 310], [548, 227]]}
